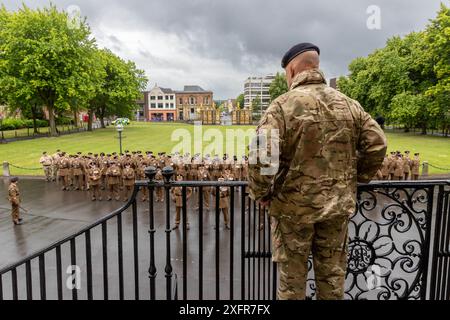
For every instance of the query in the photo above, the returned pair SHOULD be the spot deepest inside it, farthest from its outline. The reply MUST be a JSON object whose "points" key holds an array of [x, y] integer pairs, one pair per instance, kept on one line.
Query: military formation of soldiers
{"points": [[112, 176], [398, 166]]}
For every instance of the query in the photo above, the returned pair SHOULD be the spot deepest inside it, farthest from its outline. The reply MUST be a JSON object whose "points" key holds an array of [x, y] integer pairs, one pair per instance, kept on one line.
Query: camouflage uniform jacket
{"points": [[327, 143], [13, 194]]}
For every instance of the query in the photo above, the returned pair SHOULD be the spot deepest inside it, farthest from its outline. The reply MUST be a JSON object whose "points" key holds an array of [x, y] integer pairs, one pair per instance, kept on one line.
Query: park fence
{"points": [[398, 249], [28, 133]]}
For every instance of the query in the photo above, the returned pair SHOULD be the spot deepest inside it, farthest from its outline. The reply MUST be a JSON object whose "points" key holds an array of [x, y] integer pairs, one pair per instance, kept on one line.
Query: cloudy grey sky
{"points": [[219, 43]]}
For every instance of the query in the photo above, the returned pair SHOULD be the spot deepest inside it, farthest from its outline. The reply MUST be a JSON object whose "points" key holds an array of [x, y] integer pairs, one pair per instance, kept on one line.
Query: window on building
{"points": [[160, 98], [171, 97], [192, 101], [181, 101], [171, 105], [160, 105], [153, 105], [167, 97], [152, 98]]}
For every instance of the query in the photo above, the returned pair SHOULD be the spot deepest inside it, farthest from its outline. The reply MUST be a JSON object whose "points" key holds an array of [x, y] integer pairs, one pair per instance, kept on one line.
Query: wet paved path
{"points": [[53, 214]]}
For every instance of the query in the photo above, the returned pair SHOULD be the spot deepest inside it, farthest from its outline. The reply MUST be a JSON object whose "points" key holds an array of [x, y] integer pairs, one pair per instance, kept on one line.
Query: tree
{"points": [[256, 104], [120, 86], [240, 100], [278, 87], [438, 42], [44, 59], [409, 79]]}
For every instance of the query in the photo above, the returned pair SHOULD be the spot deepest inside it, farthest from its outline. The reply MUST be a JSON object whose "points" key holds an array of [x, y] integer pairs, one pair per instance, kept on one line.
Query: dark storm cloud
{"points": [[250, 35]]}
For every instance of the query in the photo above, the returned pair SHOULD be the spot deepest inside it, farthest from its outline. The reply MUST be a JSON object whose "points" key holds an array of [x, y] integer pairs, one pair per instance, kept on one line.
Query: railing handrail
{"points": [[171, 184]]}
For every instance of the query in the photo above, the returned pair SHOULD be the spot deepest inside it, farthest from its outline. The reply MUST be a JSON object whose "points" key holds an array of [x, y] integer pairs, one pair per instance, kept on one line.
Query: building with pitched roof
{"points": [[192, 101], [161, 104]]}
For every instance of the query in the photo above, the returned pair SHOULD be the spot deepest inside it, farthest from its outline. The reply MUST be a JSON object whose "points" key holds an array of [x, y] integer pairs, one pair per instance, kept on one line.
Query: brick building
{"points": [[191, 101]]}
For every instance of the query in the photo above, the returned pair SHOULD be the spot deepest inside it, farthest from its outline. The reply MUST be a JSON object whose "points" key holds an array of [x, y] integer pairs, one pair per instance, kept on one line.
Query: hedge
{"points": [[15, 124]]}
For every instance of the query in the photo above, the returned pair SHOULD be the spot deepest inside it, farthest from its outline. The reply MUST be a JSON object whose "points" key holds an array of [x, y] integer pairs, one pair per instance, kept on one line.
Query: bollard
{"points": [[6, 172], [425, 169]]}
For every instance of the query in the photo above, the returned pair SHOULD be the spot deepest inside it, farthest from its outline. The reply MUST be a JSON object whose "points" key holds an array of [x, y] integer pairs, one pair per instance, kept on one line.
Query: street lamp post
{"points": [[1, 128], [119, 128]]}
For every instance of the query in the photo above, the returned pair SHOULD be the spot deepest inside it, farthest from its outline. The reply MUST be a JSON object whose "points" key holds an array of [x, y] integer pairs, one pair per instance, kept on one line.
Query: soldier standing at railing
{"points": [[320, 144], [14, 199], [47, 162]]}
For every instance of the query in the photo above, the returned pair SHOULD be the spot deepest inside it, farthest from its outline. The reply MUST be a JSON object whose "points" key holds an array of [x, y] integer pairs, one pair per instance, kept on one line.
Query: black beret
{"points": [[296, 50]]}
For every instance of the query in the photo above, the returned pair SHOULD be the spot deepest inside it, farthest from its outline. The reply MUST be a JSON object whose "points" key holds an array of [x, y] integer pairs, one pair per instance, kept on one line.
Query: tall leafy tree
{"points": [[240, 100], [407, 81], [120, 86], [278, 87], [438, 42], [44, 58]]}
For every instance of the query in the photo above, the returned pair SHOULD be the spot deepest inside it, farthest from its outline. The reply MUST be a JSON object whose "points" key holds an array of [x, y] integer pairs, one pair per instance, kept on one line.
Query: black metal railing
{"points": [[399, 243]]}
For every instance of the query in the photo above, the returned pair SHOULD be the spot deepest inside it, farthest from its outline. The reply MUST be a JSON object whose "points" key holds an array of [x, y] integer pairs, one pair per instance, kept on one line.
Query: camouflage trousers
{"points": [[292, 245], [15, 213], [48, 173]]}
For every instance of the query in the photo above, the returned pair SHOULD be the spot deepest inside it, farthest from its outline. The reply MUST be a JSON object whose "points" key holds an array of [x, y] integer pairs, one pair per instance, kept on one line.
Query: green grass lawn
{"points": [[156, 137]]}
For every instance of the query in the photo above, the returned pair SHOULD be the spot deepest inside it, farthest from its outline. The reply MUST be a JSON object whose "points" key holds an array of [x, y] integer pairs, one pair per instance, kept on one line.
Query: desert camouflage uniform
{"points": [[14, 199], [129, 178], [47, 162], [64, 172], [398, 169], [77, 172], [385, 168], [159, 191], [55, 161], [327, 144], [113, 180], [203, 175], [415, 168], [94, 177], [406, 167]]}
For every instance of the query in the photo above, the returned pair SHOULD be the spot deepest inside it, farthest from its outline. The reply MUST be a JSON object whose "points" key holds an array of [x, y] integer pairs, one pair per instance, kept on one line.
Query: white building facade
{"points": [[162, 104], [258, 87]]}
